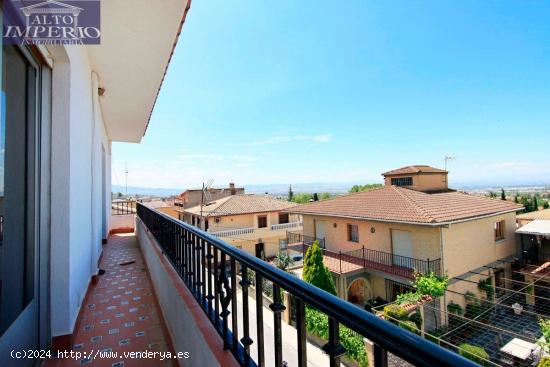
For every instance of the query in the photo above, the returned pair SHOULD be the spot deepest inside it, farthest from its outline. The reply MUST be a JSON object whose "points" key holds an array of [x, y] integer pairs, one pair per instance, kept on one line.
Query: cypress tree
{"points": [[290, 193], [502, 194], [315, 272]]}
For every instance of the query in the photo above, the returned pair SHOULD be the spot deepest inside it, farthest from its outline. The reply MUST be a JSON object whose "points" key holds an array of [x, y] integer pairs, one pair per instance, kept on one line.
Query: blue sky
{"points": [[317, 91]]}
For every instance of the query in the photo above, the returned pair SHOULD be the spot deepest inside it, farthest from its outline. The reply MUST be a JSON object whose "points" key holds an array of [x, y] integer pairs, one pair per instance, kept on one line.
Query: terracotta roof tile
{"points": [[397, 204], [241, 204]]}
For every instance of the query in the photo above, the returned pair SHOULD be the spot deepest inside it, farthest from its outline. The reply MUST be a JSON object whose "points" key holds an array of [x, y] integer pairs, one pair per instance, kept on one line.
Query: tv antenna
{"points": [[206, 196], [448, 158], [126, 175]]}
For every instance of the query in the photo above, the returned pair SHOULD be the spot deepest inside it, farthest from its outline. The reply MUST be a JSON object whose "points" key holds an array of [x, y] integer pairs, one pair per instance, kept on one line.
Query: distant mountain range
{"points": [[319, 187]]}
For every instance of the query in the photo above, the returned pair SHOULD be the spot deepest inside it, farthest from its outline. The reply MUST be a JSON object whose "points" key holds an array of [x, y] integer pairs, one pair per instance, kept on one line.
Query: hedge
{"points": [[473, 353], [317, 324]]}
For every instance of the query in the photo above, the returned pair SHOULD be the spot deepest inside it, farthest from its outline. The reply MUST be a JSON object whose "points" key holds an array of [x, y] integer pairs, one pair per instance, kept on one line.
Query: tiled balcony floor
{"points": [[121, 313]]}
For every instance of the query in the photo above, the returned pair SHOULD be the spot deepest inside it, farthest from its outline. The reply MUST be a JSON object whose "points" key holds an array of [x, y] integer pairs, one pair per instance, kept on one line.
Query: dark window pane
{"points": [[16, 185]]}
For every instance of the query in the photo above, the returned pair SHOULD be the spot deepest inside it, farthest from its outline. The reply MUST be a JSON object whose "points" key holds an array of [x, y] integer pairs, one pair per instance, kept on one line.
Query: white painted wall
{"points": [[78, 136]]}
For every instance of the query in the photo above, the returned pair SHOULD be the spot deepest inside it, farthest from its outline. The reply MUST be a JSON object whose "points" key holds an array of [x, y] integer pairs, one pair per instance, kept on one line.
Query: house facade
{"points": [[375, 240], [193, 197], [246, 220]]}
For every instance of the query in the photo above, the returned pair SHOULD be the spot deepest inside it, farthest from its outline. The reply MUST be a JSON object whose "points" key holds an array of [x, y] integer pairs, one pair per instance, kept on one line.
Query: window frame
{"points": [[262, 217], [402, 181], [351, 237], [499, 228]]}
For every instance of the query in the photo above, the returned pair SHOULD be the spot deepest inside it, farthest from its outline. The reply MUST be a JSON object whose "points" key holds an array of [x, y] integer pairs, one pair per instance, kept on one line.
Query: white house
{"points": [[62, 108]]}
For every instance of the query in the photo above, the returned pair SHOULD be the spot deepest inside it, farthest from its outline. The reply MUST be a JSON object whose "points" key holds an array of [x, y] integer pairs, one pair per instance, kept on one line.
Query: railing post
{"points": [[364, 260], [340, 256], [380, 356]]}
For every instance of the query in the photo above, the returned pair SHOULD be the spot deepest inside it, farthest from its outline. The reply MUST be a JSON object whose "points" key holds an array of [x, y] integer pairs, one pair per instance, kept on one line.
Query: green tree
{"points": [[359, 188], [325, 196], [302, 198], [535, 204], [290, 193], [315, 272], [315, 197], [516, 199], [545, 204], [502, 194]]}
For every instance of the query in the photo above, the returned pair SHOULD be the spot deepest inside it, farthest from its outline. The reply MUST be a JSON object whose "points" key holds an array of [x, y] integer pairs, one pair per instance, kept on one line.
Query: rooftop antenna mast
{"points": [[447, 158], [126, 174], [206, 197]]}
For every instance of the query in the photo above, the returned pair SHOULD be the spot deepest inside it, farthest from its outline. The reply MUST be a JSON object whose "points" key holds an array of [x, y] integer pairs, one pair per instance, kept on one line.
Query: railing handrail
{"points": [[123, 206], [396, 340]]}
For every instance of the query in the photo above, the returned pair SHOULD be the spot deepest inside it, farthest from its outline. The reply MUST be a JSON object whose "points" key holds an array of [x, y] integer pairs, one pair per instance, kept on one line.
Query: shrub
{"points": [[544, 325], [410, 326], [473, 353], [395, 312], [455, 308], [431, 284], [545, 362], [408, 297], [315, 272], [486, 286], [317, 323]]}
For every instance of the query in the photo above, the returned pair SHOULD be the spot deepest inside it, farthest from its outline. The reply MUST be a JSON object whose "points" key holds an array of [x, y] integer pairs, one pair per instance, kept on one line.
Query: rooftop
{"points": [[241, 204], [419, 168], [398, 204], [539, 214]]}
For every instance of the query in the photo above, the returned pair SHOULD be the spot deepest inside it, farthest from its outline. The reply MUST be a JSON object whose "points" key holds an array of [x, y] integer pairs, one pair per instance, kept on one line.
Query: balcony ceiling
{"points": [[137, 41]]}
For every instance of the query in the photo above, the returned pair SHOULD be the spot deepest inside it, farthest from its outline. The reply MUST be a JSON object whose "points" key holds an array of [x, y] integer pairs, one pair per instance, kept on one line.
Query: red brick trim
{"points": [[121, 230], [202, 323]]}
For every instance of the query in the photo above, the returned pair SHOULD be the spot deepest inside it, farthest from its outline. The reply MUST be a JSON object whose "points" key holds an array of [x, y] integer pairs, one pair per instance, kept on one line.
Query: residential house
{"points": [[523, 219], [375, 240], [193, 197], [246, 220]]}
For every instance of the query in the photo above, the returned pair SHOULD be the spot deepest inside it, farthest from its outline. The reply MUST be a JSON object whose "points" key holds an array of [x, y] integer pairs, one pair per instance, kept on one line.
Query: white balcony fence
{"points": [[233, 232], [276, 227]]}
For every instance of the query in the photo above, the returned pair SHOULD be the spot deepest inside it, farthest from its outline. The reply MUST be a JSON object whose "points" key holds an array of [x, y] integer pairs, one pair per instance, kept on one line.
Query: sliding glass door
{"points": [[19, 197]]}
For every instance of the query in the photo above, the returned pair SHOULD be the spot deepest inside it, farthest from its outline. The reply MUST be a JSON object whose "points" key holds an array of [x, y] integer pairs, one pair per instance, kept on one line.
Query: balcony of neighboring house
{"points": [[212, 297], [340, 262]]}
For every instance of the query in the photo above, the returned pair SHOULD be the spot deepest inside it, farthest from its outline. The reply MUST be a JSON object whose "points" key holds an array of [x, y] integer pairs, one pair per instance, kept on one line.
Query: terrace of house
{"points": [[373, 235]]}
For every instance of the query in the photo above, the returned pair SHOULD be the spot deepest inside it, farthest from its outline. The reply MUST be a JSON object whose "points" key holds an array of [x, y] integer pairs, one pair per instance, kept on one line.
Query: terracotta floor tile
{"points": [[121, 311]]}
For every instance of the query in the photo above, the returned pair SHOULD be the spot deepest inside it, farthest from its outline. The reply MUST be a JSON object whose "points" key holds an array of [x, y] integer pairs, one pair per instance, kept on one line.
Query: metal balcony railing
{"points": [[296, 238], [387, 262], [123, 207], [209, 267]]}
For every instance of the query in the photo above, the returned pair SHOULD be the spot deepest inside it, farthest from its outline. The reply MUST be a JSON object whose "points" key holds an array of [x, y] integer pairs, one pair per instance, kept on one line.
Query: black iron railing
{"points": [[296, 238], [123, 207], [344, 262], [209, 267]]}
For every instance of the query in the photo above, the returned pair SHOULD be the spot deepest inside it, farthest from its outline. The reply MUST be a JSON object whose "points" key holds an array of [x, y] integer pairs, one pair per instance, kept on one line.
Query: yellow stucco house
{"points": [[374, 240], [245, 221]]}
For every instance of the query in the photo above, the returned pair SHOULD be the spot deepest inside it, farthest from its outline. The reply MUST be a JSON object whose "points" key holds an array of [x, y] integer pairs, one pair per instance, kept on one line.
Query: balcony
{"points": [[364, 258], [218, 279], [257, 231]]}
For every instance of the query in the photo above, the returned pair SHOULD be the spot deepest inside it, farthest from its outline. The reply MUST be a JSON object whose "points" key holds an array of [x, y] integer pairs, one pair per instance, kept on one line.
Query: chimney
{"points": [[232, 188]]}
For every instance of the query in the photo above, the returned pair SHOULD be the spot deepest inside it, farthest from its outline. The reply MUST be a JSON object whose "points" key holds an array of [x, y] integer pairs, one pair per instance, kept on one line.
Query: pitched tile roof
{"points": [[414, 169], [241, 204], [540, 214], [398, 204]]}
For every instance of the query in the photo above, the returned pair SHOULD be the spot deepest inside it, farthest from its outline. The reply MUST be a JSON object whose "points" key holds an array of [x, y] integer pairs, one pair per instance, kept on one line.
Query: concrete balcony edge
{"points": [[181, 311]]}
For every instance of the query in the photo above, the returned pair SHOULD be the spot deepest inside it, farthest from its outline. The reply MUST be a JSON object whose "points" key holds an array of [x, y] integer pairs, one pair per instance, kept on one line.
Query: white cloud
{"points": [[215, 157], [323, 138]]}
